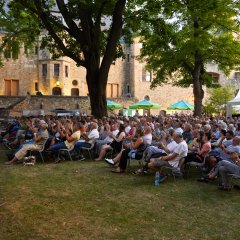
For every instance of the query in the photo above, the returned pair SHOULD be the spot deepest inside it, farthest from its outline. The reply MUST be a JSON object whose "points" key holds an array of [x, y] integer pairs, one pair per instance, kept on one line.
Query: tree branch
{"points": [[116, 28], [73, 28], [42, 15]]}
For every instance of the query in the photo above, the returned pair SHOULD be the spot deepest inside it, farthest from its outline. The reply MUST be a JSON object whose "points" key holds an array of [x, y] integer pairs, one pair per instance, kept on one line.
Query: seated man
{"points": [[166, 146], [71, 139], [39, 141], [225, 151], [224, 168], [173, 159], [108, 139], [87, 139]]}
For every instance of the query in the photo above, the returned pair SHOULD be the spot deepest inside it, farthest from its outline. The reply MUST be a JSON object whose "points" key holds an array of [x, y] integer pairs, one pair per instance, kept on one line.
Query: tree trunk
{"points": [[196, 74], [197, 87], [97, 92], [97, 74]]}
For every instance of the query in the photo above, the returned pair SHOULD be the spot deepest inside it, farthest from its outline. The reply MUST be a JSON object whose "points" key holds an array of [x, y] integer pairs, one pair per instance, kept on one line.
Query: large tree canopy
{"points": [[181, 36], [89, 34]]}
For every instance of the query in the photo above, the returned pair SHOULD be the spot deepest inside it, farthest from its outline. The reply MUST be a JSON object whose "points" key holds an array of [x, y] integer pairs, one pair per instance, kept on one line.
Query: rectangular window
{"points": [[215, 76], [11, 87], [109, 90], [44, 70], [15, 51], [128, 57], [66, 71], [112, 90], [128, 89], [237, 75], [146, 76], [56, 70], [36, 50], [36, 86]]}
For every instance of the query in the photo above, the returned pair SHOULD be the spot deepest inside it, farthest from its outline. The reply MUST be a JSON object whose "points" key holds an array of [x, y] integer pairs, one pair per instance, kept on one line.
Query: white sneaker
{"points": [[109, 161]]}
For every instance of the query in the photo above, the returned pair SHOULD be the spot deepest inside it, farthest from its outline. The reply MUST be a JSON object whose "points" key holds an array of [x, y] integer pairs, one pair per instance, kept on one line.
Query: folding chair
{"points": [[68, 151], [89, 149], [140, 161], [234, 176], [40, 151], [194, 164], [175, 171]]}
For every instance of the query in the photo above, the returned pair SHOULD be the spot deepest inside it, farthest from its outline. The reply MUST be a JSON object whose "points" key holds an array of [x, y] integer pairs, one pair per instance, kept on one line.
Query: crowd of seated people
{"points": [[161, 141]]}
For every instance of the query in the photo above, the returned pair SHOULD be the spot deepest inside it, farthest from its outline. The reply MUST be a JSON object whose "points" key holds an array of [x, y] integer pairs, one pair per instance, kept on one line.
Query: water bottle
{"points": [[157, 179]]}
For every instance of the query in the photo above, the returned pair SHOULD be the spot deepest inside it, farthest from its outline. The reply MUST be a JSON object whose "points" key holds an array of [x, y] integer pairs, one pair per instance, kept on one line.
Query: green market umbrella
{"points": [[181, 105], [111, 105], [144, 104]]}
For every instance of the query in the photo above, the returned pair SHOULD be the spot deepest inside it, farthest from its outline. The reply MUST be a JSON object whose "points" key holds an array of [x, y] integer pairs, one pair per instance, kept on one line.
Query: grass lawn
{"points": [[84, 200]]}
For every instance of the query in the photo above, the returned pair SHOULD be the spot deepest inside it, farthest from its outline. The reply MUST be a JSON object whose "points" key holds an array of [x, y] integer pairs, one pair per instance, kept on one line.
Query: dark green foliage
{"points": [[218, 99], [180, 37], [85, 31]]}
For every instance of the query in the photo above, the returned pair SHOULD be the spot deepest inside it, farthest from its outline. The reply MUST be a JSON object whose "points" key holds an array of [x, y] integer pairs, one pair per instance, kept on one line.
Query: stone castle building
{"points": [[38, 73]]}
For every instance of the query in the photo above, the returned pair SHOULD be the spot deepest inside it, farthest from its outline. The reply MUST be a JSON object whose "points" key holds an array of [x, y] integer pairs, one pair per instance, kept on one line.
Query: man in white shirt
{"points": [[88, 139], [108, 139], [173, 159]]}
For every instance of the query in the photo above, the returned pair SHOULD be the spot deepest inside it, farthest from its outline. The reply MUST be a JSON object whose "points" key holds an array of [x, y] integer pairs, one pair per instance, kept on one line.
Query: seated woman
{"points": [[196, 141], [71, 139], [201, 151], [135, 150], [132, 131], [59, 133], [116, 144]]}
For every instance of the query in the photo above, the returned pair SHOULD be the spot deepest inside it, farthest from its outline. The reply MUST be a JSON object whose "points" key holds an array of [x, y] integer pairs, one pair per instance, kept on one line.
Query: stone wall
{"points": [[6, 101], [49, 103], [24, 70]]}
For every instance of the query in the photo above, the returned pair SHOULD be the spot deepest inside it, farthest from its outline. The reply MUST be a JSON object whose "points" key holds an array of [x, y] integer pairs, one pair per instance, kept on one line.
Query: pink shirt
{"points": [[206, 148]]}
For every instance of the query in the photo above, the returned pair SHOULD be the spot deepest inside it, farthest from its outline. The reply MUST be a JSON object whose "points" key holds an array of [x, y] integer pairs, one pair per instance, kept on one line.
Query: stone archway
{"points": [[57, 91]]}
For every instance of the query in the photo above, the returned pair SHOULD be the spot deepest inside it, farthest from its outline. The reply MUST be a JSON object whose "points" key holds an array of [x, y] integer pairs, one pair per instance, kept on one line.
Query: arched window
{"points": [[74, 92], [57, 91], [147, 98]]}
